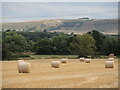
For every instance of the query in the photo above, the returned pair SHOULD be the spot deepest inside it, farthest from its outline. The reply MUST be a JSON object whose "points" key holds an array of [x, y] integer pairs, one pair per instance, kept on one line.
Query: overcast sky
{"points": [[25, 11], [59, 0]]}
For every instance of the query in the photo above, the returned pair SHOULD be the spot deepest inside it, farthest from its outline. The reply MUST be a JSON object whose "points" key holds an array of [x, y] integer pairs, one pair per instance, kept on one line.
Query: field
{"points": [[52, 56], [74, 74]]}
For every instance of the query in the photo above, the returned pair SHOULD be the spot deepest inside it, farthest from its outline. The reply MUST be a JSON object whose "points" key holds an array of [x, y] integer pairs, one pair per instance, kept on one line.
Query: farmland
{"points": [[74, 74]]}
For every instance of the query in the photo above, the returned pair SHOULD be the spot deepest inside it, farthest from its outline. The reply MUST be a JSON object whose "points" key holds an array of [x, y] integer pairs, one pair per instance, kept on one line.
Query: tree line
{"points": [[57, 43]]}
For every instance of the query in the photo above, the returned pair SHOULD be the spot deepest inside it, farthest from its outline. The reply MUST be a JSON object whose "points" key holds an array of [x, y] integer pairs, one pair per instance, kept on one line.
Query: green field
{"points": [[52, 56], [63, 56]]}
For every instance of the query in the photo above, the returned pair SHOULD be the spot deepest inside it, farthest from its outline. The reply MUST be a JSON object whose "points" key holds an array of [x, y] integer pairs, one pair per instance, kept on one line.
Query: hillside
{"points": [[65, 25]]}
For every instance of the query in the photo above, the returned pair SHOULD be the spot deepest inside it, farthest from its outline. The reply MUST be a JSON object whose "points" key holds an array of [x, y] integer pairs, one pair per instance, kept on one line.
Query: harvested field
{"points": [[74, 74]]}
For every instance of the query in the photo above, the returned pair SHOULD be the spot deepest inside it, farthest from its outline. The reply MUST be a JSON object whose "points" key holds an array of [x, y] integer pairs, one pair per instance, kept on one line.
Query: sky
{"points": [[59, 0], [28, 11]]}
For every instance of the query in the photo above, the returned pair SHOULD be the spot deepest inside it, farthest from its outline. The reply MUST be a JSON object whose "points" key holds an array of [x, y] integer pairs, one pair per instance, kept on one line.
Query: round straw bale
{"points": [[109, 64], [82, 59], [21, 61], [24, 67], [87, 60], [64, 60], [111, 55], [55, 64], [29, 68], [110, 59]]}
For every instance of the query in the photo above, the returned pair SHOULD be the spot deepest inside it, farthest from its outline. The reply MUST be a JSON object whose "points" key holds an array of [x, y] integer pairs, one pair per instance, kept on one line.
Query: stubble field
{"points": [[74, 74]]}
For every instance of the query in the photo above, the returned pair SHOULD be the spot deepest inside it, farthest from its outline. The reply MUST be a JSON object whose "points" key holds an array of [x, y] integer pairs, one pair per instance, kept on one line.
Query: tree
{"points": [[61, 44], [16, 42], [99, 37], [6, 53], [110, 45], [13, 43], [83, 45], [43, 46]]}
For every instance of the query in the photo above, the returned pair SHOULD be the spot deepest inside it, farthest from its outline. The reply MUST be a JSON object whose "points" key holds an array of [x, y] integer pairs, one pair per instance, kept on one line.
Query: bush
{"points": [[16, 57]]}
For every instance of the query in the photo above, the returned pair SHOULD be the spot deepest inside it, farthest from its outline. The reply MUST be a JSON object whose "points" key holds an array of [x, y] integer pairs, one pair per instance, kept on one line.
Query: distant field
{"points": [[74, 74], [60, 56], [52, 56]]}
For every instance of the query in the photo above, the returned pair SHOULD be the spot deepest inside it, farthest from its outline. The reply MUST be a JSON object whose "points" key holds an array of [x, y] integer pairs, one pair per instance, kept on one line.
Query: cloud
{"points": [[61, 10], [60, 0]]}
